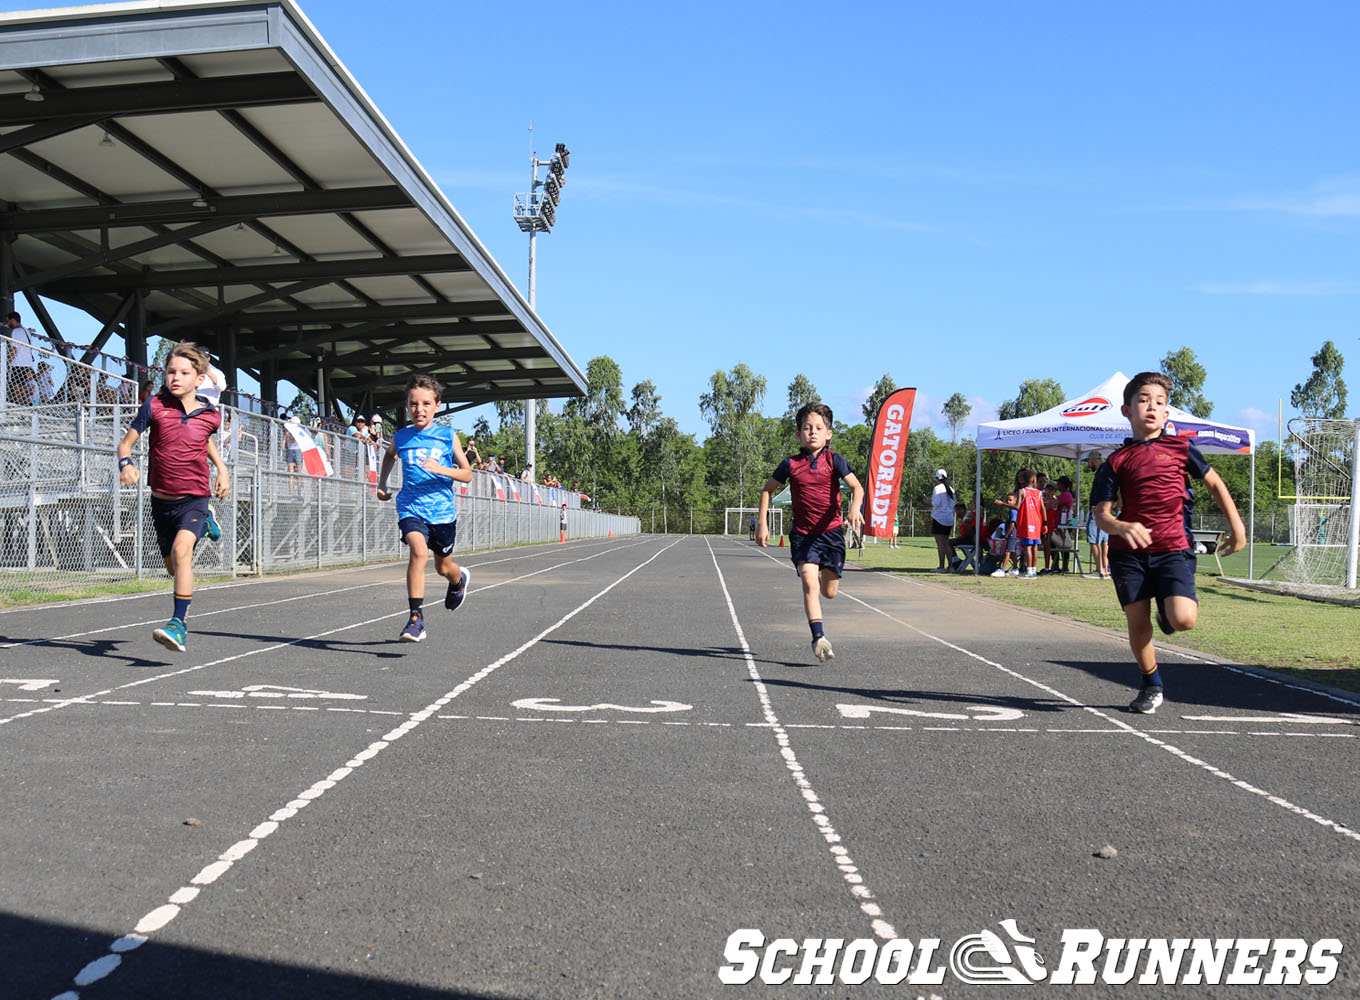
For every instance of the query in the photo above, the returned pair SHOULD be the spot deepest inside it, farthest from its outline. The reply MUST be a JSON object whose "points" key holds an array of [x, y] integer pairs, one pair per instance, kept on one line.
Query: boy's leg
{"points": [[1181, 612], [808, 574], [1139, 617], [415, 566], [1134, 584]]}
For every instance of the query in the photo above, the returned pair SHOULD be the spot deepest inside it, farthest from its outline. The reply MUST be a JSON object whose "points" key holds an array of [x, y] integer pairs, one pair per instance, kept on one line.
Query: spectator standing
{"points": [[474, 456], [942, 522], [359, 428], [1096, 537], [19, 391]]}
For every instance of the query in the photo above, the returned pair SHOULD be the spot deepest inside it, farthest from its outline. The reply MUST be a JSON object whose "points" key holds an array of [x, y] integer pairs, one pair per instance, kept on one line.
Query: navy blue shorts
{"points": [[439, 536], [173, 516], [827, 550], [1141, 576]]}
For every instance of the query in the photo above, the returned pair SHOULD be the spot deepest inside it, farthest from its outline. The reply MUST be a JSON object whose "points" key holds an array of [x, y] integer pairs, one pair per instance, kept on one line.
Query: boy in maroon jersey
{"points": [[817, 538], [181, 423], [1151, 554]]}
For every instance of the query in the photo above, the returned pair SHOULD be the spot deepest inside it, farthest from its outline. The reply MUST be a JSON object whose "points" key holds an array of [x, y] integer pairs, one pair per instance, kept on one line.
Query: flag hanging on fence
{"points": [[887, 452], [314, 460]]}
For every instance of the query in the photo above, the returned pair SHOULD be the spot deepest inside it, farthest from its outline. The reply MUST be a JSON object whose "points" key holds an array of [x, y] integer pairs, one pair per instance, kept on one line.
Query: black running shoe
{"points": [[453, 600], [1148, 699], [1163, 622]]}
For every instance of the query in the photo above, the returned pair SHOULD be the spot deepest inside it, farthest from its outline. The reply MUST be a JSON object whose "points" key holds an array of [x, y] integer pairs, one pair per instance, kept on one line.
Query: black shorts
{"points": [[1141, 576], [439, 536], [936, 528], [173, 516], [826, 549]]}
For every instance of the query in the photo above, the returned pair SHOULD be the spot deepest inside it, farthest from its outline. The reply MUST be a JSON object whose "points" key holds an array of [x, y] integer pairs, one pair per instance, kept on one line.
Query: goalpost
{"points": [[737, 520], [1324, 523]]}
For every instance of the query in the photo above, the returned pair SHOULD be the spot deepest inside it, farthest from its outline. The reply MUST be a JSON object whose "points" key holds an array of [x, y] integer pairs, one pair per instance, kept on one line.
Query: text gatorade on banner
{"points": [[886, 454]]}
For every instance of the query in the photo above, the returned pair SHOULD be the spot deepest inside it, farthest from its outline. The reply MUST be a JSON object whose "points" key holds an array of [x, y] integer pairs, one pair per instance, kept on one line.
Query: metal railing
{"points": [[67, 525]]}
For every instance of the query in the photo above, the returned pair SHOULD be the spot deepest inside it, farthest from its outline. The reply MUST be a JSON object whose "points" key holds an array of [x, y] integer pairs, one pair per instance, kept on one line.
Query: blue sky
{"points": [[962, 196]]}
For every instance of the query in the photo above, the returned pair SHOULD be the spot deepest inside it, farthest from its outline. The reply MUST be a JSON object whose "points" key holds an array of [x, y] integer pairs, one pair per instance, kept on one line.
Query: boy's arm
{"points": [[762, 525], [128, 473], [856, 503], [1237, 532], [389, 457], [223, 484], [1136, 533]]}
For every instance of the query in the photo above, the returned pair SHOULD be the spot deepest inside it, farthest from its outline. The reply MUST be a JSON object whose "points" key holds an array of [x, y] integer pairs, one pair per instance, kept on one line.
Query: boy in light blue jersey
{"points": [[432, 460]]}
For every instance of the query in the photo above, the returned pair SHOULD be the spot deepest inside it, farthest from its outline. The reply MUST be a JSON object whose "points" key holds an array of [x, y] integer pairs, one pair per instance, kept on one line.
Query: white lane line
{"points": [[162, 915], [88, 698], [1147, 737], [849, 871], [266, 604]]}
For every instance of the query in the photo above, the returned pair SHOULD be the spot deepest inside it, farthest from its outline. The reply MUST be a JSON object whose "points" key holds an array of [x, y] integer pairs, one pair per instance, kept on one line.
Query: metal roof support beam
{"points": [[174, 96], [250, 274], [115, 254], [231, 309], [230, 208], [44, 130], [107, 330], [347, 314]]}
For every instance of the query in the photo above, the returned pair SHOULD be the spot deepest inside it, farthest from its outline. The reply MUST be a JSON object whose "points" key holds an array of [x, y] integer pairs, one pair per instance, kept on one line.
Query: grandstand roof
{"points": [[212, 163]]}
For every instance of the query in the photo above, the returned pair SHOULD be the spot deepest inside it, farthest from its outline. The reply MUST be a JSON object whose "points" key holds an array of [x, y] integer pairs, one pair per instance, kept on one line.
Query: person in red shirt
{"points": [[1151, 555], [1029, 522], [181, 424], [817, 538]]}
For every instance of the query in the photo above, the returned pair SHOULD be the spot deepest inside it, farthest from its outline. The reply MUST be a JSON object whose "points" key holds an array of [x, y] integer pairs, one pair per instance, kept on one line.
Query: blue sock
{"points": [[415, 603], [182, 607], [1153, 679], [816, 629]]}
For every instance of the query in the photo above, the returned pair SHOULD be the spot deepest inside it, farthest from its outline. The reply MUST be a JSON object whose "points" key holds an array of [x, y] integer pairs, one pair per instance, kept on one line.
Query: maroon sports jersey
{"points": [[815, 483], [178, 451], [1149, 478]]}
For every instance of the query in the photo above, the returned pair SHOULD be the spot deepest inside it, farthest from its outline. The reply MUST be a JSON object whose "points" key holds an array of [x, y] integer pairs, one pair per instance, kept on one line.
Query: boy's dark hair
{"points": [[14, 316], [1025, 476], [1065, 482], [821, 409], [1146, 378], [426, 382]]}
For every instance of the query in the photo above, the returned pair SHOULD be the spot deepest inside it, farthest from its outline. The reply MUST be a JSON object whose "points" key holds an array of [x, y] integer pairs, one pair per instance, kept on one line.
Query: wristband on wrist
{"points": [[123, 463]]}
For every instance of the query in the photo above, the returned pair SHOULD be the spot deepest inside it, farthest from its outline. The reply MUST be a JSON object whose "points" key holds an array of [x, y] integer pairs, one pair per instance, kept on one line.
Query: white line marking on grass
{"points": [[87, 698], [162, 915], [867, 903]]}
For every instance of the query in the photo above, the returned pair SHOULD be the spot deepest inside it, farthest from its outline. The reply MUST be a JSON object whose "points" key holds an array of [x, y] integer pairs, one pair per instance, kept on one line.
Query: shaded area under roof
{"points": [[210, 171]]}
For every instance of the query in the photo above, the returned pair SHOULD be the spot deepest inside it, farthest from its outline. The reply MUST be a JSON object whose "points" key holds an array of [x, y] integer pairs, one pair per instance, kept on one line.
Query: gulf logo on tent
{"points": [[1087, 407]]}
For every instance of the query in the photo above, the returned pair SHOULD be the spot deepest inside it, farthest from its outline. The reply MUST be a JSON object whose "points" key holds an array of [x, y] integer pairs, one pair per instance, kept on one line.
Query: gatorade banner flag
{"points": [[886, 454], [314, 460]]}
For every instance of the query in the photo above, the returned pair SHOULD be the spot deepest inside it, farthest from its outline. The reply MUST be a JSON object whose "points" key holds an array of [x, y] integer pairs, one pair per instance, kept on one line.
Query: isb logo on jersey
{"points": [[1087, 407]]}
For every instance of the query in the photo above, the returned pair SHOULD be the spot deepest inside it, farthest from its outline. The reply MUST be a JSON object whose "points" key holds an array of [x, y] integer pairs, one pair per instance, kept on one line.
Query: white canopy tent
{"points": [[1093, 421]]}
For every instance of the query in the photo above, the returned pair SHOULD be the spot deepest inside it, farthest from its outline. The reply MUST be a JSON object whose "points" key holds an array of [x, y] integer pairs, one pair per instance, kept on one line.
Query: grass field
{"points": [[1318, 642]]}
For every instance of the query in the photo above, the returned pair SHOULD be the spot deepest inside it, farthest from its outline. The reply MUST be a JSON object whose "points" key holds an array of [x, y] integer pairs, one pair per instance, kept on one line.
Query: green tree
{"points": [[1324, 394], [732, 408], [646, 409], [1035, 396], [883, 388], [801, 392], [1187, 382], [956, 410]]}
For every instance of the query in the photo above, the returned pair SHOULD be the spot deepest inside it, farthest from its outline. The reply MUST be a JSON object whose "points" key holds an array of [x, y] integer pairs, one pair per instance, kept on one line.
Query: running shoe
{"points": [[214, 530], [998, 573], [1163, 622], [453, 600], [414, 630], [172, 635], [1148, 699], [940, 569], [821, 648]]}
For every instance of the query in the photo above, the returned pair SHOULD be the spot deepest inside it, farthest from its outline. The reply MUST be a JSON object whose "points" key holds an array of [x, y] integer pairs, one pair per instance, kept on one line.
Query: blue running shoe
{"points": [[214, 530], [172, 635], [414, 630], [453, 600]]}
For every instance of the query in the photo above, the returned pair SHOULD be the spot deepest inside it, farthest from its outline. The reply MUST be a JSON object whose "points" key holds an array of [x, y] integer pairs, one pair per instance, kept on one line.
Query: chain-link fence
{"points": [[67, 526]]}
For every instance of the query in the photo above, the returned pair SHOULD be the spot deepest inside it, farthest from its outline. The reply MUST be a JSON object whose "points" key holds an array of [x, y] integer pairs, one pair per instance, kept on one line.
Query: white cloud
{"points": [[1329, 198], [1265, 425]]}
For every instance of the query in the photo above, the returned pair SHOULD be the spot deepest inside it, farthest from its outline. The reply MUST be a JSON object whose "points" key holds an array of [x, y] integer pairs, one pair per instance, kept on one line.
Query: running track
{"points": [[616, 754]]}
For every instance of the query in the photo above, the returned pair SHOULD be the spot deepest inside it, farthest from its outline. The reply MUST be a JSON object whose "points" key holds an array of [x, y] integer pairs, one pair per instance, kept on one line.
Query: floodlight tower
{"points": [[536, 212]]}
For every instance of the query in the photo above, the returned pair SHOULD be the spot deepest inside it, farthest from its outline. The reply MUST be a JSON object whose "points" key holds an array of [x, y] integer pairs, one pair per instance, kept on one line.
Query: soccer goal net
{"points": [[737, 520], [1324, 525]]}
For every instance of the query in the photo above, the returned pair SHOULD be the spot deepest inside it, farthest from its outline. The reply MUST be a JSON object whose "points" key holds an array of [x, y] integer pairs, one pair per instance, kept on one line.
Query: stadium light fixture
{"points": [[536, 212]]}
